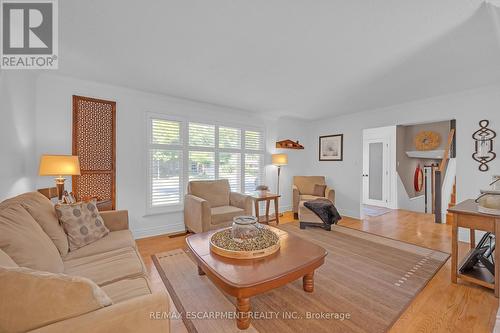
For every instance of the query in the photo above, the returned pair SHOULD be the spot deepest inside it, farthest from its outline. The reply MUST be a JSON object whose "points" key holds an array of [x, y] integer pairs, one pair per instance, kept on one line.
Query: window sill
{"points": [[163, 210]]}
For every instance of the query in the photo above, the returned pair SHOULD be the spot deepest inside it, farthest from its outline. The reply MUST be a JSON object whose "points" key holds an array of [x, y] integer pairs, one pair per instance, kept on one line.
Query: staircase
{"points": [[453, 202], [444, 181]]}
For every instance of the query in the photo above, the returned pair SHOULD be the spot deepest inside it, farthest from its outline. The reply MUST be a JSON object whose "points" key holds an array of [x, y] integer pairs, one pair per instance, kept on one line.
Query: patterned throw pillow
{"points": [[82, 223]]}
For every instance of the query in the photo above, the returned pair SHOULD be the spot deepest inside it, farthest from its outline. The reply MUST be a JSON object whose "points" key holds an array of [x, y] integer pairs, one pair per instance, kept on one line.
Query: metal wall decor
{"points": [[483, 138]]}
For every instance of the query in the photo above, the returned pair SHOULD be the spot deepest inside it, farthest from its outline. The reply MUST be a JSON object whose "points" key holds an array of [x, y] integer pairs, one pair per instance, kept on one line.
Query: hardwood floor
{"points": [[440, 307]]}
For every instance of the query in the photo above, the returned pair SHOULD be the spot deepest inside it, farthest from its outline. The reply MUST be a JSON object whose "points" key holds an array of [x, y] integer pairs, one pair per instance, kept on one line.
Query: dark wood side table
{"points": [[466, 215], [267, 197]]}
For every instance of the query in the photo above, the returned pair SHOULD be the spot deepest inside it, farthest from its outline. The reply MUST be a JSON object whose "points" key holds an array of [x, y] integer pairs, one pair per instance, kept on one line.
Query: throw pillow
{"points": [[319, 190], [44, 214], [82, 222], [25, 242]]}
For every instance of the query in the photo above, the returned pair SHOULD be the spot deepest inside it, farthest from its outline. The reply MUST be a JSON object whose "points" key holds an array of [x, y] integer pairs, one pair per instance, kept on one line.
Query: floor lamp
{"points": [[279, 160]]}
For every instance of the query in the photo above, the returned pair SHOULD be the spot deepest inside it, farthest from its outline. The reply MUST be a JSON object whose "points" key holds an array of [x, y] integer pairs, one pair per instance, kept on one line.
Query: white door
{"points": [[376, 172]]}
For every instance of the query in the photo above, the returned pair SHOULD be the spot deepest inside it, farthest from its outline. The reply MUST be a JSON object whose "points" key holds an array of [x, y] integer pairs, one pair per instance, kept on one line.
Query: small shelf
{"points": [[480, 276], [289, 144], [426, 154]]}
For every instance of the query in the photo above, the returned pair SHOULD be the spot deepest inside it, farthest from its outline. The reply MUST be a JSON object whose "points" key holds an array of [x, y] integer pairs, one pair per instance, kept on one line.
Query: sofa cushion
{"points": [[30, 299], [225, 213], [127, 288], [307, 197], [108, 267], [113, 241], [82, 222], [305, 184], [6, 261], [44, 214], [216, 192], [25, 242]]}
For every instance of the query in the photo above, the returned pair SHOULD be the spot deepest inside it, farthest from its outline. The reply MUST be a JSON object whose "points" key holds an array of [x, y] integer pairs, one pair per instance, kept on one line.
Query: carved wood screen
{"points": [[94, 136]]}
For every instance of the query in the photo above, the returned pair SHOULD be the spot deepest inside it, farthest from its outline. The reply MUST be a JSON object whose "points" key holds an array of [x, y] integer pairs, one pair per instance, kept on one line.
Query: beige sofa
{"points": [[303, 189], [101, 287], [210, 204]]}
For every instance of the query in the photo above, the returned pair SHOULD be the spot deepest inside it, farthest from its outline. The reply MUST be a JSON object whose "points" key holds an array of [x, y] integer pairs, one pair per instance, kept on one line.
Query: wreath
{"points": [[427, 140]]}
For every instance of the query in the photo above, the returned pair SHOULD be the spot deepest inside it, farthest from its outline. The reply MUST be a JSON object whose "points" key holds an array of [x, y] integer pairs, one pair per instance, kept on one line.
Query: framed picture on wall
{"points": [[331, 147]]}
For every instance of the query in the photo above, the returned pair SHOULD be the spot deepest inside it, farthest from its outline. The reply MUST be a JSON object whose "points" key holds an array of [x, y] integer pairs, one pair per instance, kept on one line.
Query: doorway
{"points": [[378, 168]]}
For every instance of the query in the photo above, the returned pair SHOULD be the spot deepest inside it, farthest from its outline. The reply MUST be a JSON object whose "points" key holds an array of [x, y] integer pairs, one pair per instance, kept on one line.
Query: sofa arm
{"points": [[31, 299], [140, 314], [197, 215], [330, 194], [242, 201], [295, 198], [115, 219]]}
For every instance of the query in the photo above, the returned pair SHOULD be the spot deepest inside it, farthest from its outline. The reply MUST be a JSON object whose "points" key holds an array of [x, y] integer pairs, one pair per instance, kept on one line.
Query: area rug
{"points": [[374, 210], [367, 281]]}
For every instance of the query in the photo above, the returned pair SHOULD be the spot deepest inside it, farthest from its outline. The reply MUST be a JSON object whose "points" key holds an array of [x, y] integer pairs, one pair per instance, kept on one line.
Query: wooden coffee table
{"points": [[244, 278]]}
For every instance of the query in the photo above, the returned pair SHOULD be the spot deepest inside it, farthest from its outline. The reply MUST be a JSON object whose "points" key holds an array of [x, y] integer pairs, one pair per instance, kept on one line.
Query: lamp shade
{"points": [[279, 159], [59, 165]]}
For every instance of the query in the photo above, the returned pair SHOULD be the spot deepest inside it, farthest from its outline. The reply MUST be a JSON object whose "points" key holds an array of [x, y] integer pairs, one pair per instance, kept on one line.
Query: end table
{"points": [[267, 197]]}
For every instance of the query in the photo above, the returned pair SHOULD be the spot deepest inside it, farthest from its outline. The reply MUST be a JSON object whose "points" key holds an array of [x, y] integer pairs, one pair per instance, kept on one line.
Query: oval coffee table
{"points": [[244, 278]]}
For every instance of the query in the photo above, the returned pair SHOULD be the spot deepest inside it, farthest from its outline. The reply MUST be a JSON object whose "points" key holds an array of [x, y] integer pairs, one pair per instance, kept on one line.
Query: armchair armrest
{"points": [[115, 220], [295, 198], [197, 215], [242, 201], [140, 314], [330, 194]]}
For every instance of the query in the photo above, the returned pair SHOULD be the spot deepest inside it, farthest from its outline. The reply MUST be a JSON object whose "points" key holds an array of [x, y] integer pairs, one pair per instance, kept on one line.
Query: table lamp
{"points": [[59, 166], [279, 160]]}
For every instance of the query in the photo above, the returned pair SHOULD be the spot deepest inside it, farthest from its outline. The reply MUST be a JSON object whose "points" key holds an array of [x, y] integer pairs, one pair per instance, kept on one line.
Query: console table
{"points": [[466, 215]]}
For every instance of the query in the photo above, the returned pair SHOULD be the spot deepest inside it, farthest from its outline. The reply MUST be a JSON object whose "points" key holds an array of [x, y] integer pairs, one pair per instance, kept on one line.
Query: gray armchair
{"points": [[210, 204], [303, 190]]}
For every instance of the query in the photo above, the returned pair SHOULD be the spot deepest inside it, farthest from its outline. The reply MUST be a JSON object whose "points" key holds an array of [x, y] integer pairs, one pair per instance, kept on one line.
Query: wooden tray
{"points": [[244, 254]]}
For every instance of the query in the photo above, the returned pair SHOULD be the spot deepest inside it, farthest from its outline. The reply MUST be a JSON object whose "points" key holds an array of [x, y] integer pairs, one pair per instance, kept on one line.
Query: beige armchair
{"points": [[303, 190], [210, 204]]}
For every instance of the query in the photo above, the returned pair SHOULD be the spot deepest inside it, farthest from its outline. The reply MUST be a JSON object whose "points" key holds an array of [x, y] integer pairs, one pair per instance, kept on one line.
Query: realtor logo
{"points": [[29, 34]]}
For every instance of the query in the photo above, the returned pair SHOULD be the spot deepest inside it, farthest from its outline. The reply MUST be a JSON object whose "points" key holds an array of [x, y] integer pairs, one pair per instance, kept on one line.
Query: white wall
{"points": [[17, 133], [54, 116], [468, 108]]}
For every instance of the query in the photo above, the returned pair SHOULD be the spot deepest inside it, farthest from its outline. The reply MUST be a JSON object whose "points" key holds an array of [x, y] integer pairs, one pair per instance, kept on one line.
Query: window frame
{"points": [[185, 148]]}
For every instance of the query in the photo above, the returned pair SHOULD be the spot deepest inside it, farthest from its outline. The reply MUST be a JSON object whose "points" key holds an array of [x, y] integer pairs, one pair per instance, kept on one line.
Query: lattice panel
{"points": [[98, 185], [94, 143], [94, 135]]}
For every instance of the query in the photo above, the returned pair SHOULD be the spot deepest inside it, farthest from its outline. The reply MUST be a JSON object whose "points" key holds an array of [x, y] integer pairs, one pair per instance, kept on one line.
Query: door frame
{"points": [[387, 135]]}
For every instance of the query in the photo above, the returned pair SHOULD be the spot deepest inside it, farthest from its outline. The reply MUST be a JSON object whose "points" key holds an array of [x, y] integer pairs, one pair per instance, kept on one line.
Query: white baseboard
{"points": [[159, 230]]}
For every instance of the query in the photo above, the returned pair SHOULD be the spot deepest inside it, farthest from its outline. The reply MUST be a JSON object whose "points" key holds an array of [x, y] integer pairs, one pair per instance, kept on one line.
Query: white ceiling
{"points": [[298, 58]]}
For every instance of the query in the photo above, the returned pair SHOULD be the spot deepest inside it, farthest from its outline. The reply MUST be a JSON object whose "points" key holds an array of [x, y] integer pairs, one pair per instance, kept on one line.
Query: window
{"points": [[165, 163], [181, 151]]}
